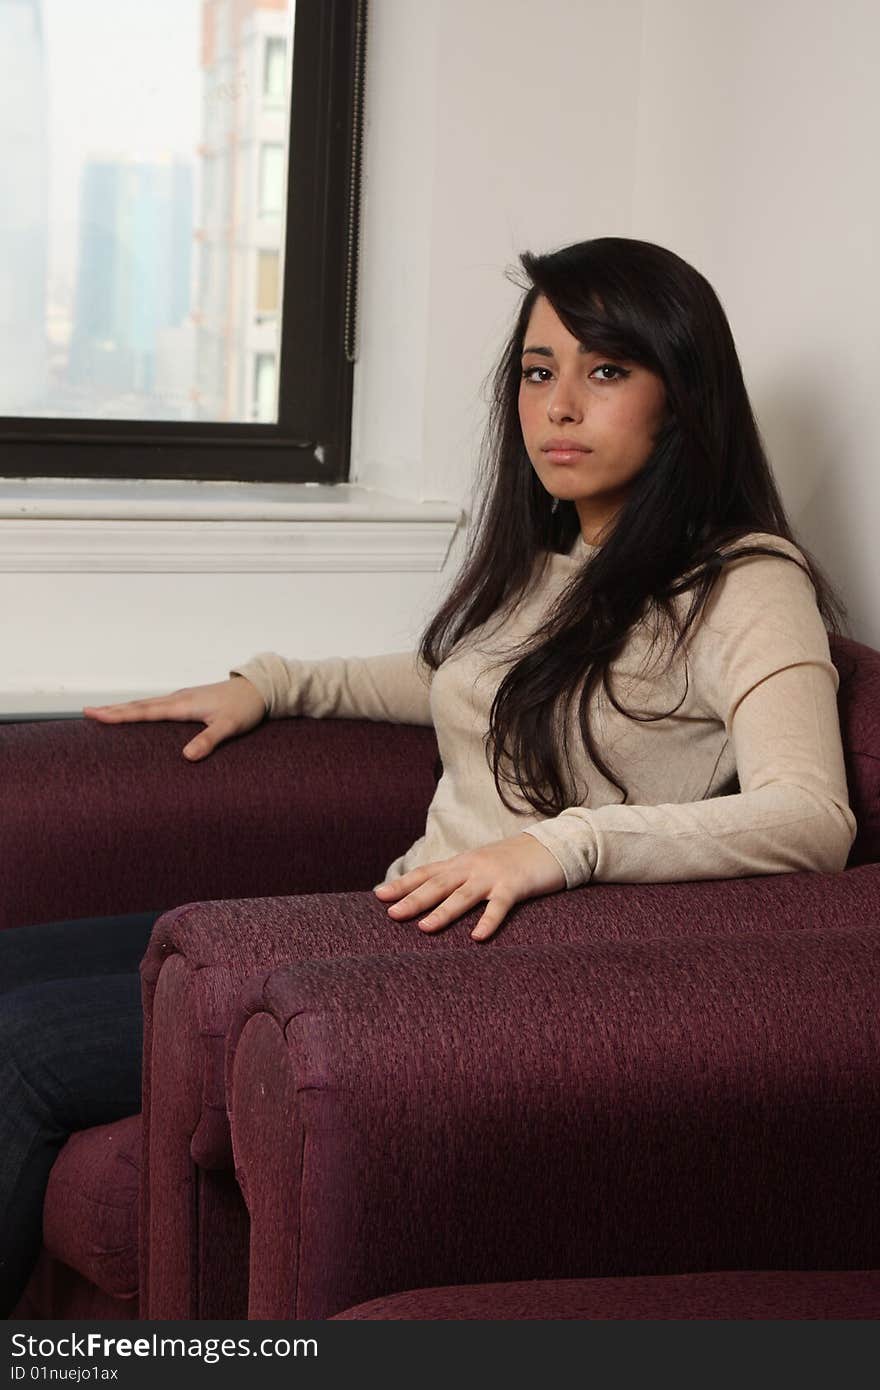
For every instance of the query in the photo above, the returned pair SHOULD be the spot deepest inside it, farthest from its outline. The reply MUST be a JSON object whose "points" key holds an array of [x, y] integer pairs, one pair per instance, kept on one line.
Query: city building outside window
{"points": [[267, 282], [264, 386], [271, 180], [275, 70], [178, 231]]}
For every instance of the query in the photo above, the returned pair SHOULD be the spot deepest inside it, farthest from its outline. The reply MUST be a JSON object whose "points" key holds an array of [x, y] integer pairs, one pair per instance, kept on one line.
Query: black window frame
{"points": [[311, 440]]}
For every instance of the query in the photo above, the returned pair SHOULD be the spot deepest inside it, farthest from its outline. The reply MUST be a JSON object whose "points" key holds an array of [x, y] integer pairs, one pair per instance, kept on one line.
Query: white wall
{"points": [[757, 161], [490, 133], [741, 136]]}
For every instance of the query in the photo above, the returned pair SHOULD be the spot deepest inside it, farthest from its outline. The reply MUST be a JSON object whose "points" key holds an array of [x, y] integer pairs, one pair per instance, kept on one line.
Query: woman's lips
{"points": [[562, 451]]}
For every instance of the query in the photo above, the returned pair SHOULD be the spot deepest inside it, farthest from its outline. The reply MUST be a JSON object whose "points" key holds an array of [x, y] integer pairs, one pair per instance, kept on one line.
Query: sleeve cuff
{"points": [[574, 847], [254, 672]]}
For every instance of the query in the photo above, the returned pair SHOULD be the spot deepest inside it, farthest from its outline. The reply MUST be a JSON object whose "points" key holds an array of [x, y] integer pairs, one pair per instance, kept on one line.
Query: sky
{"points": [[123, 78]]}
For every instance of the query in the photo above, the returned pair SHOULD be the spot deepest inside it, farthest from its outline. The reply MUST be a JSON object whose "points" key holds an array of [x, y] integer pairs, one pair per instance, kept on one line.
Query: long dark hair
{"points": [[706, 484]]}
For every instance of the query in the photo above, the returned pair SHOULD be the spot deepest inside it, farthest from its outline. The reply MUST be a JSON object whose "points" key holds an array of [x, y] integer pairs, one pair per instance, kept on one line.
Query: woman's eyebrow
{"points": [[548, 352]]}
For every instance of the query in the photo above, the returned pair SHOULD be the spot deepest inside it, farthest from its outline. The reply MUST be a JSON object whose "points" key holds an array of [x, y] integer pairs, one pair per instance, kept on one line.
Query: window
{"points": [[274, 67], [271, 180], [264, 386], [267, 283], [178, 245]]}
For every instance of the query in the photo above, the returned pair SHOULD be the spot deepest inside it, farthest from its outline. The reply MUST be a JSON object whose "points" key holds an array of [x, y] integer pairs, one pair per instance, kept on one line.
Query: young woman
{"points": [[630, 681]]}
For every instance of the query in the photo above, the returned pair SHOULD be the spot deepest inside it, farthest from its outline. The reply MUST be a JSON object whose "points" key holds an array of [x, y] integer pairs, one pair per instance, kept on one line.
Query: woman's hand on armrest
{"points": [[230, 707], [500, 874]]}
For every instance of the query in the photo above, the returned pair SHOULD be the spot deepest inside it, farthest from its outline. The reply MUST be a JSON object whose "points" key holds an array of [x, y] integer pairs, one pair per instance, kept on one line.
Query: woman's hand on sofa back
{"points": [[230, 707]]}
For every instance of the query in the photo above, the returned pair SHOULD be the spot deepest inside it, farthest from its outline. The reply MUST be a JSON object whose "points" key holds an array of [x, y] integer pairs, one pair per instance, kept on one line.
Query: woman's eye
{"points": [[610, 367], [539, 375]]}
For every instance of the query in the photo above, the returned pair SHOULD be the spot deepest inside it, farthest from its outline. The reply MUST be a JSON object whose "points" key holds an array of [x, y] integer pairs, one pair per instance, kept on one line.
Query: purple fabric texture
{"points": [[90, 1213], [201, 954], [223, 943], [583, 1110], [787, 1293], [858, 704], [97, 819], [102, 820], [57, 1291]]}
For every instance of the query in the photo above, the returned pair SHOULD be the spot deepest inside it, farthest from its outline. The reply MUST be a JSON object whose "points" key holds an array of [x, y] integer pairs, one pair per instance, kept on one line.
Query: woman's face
{"points": [[588, 421]]}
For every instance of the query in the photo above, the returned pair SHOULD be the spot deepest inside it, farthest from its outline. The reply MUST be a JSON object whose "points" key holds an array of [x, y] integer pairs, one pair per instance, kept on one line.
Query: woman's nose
{"points": [[564, 405]]}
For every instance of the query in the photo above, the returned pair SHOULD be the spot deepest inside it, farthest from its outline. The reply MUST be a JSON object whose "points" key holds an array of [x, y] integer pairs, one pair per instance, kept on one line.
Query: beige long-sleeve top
{"points": [[759, 709]]}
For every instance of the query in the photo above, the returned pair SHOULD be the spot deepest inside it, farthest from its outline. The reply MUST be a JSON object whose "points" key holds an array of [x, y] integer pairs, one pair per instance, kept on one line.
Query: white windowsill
{"points": [[133, 525]]}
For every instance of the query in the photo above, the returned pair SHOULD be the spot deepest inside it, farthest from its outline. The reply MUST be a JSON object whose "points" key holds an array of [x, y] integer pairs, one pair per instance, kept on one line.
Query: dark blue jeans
{"points": [[70, 1057]]}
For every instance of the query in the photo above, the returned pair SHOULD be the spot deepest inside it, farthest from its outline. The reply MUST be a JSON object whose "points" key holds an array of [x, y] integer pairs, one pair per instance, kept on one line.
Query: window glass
{"points": [[267, 282], [275, 70], [128, 214], [264, 386], [271, 180]]}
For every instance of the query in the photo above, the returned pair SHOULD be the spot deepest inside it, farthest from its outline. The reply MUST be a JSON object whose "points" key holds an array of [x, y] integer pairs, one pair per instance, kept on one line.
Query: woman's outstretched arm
{"points": [[380, 687], [393, 687]]}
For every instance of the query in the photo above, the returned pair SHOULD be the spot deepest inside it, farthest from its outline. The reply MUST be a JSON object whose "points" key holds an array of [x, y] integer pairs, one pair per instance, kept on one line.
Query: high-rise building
{"points": [[23, 208], [133, 275], [241, 217]]}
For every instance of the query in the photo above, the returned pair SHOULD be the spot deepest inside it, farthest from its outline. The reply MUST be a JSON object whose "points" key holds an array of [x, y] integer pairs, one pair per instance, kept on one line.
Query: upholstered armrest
{"points": [[201, 953], [98, 819], [567, 1110], [217, 945], [858, 705]]}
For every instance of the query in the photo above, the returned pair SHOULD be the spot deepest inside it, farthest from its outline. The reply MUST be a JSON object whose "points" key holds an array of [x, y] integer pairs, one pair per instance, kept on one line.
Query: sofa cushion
{"points": [[55, 1291], [90, 1213], [717, 1294], [858, 703]]}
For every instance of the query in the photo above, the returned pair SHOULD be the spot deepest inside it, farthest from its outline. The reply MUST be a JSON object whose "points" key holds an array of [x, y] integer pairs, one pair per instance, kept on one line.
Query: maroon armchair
{"points": [[200, 956], [788, 1293], [562, 1112], [298, 808], [98, 820]]}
